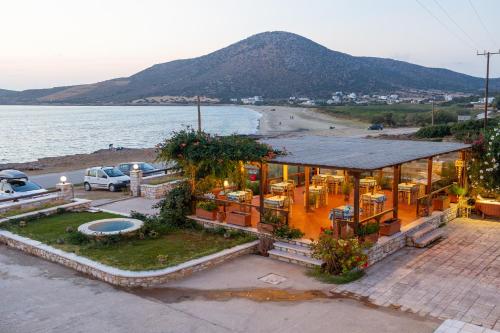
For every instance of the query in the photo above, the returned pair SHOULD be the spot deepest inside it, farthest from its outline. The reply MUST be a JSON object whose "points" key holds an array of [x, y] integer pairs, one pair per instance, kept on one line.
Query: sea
{"points": [[31, 132]]}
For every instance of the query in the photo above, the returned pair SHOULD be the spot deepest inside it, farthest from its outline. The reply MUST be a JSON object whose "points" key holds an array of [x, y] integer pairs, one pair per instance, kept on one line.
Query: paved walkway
{"points": [[39, 296], [457, 326], [137, 204], [457, 278]]}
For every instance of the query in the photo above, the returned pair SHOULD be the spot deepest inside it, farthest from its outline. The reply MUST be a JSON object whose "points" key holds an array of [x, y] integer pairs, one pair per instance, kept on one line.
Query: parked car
{"points": [[108, 178], [14, 183], [143, 166], [376, 127]]}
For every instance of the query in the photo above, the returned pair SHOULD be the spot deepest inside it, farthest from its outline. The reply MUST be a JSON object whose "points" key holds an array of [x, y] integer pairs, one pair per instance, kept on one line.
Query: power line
{"points": [[455, 23], [482, 23], [444, 25], [487, 54]]}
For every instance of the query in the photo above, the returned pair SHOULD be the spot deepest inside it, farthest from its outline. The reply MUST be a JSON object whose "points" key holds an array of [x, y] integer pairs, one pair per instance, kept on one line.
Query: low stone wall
{"points": [[76, 205], [158, 191], [29, 203], [121, 277], [388, 245]]}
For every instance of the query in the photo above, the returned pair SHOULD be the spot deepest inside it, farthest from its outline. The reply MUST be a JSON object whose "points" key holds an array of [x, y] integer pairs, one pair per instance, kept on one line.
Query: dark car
{"points": [[143, 166], [12, 174], [376, 127]]}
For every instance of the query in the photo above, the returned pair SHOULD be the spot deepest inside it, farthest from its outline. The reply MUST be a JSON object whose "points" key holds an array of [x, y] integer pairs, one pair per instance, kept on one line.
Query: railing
{"points": [[27, 196], [376, 216], [424, 202], [225, 203], [164, 170]]}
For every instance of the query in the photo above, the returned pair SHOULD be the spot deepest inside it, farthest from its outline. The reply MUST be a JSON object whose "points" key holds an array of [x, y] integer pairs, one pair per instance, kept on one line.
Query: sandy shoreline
{"points": [[275, 121]]}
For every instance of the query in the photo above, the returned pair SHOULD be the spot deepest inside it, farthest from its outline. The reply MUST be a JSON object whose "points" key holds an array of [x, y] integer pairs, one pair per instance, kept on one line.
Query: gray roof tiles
{"points": [[356, 153]]}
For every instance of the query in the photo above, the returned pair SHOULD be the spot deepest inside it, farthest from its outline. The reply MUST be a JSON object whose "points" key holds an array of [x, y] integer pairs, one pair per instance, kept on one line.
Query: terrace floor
{"points": [[457, 278], [311, 222]]}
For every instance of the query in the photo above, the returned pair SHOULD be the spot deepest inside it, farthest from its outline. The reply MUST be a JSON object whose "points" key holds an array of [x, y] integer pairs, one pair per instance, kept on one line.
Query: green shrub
{"points": [[207, 205], [176, 206], [254, 186], [77, 238], [436, 131], [368, 229], [286, 232], [340, 256]]}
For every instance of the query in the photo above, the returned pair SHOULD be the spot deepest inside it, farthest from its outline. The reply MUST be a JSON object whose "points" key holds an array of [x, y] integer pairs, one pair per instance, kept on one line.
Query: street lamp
{"points": [[63, 179]]}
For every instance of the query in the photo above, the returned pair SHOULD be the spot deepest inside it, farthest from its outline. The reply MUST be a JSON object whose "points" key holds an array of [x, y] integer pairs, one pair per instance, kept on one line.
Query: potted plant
{"points": [[346, 191], [369, 232], [242, 219], [456, 192], [269, 222], [441, 202], [390, 227], [206, 210]]}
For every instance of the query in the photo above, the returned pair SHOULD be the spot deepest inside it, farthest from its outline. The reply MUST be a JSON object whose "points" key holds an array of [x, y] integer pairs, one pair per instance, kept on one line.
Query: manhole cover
{"points": [[273, 278]]}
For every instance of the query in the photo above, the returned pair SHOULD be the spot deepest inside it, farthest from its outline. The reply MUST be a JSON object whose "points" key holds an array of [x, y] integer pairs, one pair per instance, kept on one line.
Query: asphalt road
{"points": [[38, 296], [50, 180]]}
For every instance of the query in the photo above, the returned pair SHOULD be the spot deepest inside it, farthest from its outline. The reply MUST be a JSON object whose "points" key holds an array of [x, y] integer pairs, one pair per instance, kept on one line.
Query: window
{"points": [[93, 173], [100, 174], [21, 186], [113, 172], [125, 167]]}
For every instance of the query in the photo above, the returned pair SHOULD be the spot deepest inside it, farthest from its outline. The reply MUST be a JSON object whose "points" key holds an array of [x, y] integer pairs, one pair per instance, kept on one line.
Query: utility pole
{"points": [[487, 54], [199, 115], [432, 118]]}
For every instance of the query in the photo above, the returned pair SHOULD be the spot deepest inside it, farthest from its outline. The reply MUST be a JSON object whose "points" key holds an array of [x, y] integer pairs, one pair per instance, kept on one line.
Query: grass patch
{"points": [[175, 247], [19, 211], [335, 279]]}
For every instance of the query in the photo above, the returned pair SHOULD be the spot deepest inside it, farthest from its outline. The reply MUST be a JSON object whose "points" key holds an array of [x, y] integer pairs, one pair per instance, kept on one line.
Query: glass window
{"points": [[146, 167], [100, 174], [113, 172], [22, 186], [92, 173]]}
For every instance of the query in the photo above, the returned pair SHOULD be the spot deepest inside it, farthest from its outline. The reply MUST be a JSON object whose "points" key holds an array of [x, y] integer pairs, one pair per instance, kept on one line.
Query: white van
{"points": [[108, 178]]}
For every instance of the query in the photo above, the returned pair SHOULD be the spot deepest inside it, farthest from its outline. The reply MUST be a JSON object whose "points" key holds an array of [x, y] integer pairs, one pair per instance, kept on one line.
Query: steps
{"points": [[426, 236], [295, 253]]}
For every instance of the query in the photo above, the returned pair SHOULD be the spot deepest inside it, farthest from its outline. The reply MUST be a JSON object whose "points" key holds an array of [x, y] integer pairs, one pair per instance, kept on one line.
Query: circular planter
{"points": [[108, 227]]}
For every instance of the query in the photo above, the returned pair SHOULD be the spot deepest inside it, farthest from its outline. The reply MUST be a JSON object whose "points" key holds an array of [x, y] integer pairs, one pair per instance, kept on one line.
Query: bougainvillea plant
{"points": [[340, 256], [212, 158], [484, 169]]}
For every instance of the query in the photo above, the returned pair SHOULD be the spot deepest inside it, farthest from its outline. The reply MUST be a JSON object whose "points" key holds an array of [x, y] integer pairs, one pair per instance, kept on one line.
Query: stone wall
{"points": [[158, 191], [121, 277], [76, 205], [30, 203], [388, 245]]}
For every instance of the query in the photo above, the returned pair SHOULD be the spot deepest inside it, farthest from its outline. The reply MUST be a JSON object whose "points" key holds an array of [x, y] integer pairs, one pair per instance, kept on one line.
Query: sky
{"points": [[66, 42]]}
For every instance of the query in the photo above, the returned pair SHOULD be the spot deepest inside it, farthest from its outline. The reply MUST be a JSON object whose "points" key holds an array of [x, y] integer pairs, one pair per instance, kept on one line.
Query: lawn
{"points": [[403, 114], [175, 247]]}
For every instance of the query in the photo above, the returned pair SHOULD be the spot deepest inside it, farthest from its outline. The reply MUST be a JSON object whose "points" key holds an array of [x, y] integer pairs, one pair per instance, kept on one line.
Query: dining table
{"points": [[377, 201], [281, 187], [237, 196], [275, 201], [368, 184], [319, 191], [408, 190]]}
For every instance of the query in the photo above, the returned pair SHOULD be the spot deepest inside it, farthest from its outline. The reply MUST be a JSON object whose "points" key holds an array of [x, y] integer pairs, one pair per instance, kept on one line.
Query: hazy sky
{"points": [[51, 43]]}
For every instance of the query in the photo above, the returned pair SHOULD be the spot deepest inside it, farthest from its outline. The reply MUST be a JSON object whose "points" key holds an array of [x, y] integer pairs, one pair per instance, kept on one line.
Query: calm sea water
{"points": [[31, 132]]}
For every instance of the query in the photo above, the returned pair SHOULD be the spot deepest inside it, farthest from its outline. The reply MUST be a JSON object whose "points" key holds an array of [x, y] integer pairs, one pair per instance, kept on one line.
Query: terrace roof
{"points": [[356, 153]]}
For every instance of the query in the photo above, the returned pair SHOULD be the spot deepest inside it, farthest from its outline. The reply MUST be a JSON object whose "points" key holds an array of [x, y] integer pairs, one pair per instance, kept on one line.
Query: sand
{"points": [[275, 121]]}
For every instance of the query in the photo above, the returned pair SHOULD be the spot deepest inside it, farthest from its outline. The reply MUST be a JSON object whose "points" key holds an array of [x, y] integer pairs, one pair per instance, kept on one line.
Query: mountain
{"points": [[271, 64]]}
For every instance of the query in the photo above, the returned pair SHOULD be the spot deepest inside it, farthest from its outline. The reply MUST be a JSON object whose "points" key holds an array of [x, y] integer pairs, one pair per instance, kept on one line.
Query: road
{"points": [[38, 296], [49, 180]]}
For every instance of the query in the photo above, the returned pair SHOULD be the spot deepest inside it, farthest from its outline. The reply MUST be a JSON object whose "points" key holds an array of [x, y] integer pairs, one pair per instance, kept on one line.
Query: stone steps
{"points": [[429, 238], [422, 232], [293, 248], [294, 258]]}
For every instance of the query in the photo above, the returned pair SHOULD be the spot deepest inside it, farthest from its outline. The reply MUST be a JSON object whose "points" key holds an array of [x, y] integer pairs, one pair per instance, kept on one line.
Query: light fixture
{"points": [[63, 179], [136, 166], [226, 183]]}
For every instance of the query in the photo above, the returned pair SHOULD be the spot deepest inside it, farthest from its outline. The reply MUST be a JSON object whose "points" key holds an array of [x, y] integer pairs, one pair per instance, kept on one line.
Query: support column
{"points": [[285, 172], [307, 171], [428, 189], [261, 190], [66, 192], [463, 179], [356, 201], [135, 183], [395, 193]]}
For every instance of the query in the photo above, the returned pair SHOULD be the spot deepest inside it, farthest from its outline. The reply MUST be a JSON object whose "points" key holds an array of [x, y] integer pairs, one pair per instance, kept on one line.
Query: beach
{"points": [[275, 121]]}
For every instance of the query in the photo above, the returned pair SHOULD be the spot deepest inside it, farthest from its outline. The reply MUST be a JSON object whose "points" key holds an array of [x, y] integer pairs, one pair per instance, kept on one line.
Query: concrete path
{"points": [[457, 326], [457, 278], [38, 296], [137, 204]]}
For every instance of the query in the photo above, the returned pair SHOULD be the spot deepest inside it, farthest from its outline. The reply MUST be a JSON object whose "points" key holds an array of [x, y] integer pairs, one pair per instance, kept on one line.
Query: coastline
{"points": [[274, 121]]}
